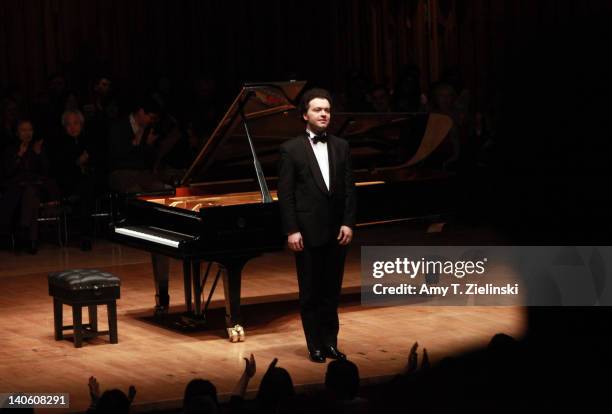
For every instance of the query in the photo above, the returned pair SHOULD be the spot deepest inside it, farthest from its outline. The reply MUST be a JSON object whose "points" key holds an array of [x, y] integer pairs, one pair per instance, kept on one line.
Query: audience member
{"points": [[380, 98], [27, 184], [443, 102], [133, 151], [75, 172], [199, 388], [101, 105], [275, 387], [201, 405], [169, 136], [342, 386], [112, 401], [183, 153]]}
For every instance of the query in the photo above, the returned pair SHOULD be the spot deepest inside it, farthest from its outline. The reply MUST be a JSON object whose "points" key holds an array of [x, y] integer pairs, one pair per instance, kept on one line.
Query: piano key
{"points": [[155, 235]]}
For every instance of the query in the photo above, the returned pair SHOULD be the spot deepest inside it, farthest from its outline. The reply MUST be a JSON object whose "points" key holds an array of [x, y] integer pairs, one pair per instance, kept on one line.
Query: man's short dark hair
{"points": [[311, 94]]}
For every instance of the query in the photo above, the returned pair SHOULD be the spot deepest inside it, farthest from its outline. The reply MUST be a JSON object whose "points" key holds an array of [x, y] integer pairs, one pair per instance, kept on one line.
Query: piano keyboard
{"points": [[154, 235]]}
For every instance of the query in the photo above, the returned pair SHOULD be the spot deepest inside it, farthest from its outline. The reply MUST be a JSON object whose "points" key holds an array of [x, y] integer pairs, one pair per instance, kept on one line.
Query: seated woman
{"points": [[26, 184]]}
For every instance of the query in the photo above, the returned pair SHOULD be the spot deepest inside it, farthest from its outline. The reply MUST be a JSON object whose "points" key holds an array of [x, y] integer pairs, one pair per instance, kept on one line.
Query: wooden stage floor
{"points": [[161, 359]]}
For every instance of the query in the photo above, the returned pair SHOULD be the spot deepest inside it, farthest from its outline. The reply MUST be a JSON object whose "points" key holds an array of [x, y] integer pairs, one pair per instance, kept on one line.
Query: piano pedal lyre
{"points": [[236, 333]]}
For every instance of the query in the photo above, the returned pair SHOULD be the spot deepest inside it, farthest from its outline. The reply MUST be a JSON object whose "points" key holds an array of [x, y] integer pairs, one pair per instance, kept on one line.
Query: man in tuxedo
{"points": [[317, 201]]}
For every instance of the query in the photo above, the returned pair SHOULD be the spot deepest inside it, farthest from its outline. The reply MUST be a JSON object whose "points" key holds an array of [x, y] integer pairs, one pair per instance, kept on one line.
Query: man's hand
{"points": [[37, 146], [345, 236], [295, 242]]}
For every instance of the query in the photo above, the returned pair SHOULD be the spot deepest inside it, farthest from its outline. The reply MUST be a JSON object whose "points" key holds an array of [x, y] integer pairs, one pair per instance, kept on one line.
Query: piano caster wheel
{"points": [[236, 333]]}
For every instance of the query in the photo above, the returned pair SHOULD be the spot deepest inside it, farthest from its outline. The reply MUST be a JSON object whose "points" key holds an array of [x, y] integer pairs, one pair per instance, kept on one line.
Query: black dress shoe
{"points": [[331, 351], [316, 355]]}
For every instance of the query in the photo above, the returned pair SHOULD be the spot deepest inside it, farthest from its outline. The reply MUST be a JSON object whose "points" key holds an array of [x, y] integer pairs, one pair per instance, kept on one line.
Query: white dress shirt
{"points": [[320, 151]]}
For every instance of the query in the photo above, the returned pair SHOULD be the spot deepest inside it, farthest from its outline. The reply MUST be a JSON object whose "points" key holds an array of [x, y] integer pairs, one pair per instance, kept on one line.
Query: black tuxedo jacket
{"points": [[305, 203]]}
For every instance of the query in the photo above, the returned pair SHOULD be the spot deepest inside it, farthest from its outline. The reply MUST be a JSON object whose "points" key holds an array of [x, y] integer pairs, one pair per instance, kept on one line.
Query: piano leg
{"points": [[161, 270], [232, 275], [197, 289], [187, 284]]}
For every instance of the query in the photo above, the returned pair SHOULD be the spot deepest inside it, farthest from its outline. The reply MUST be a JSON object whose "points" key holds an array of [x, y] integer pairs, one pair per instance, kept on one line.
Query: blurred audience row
{"points": [[479, 381], [70, 148]]}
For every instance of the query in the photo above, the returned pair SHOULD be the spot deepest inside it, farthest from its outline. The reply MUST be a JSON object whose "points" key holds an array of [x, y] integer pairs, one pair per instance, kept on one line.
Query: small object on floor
{"points": [[241, 334], [236, 333]]}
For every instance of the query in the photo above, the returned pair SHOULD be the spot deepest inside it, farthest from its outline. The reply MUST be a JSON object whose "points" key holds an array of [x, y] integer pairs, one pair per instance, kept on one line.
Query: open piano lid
{"points": [[255, 100], [392, 142]]}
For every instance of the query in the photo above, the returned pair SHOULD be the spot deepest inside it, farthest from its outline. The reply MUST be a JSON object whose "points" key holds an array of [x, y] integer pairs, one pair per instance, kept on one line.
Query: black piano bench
{"points": [[84, 287]]}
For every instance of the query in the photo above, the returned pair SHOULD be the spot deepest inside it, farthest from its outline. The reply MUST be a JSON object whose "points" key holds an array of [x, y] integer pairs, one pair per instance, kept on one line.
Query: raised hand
{"points": [[131, 393], [248, 373], [425, 361], [94, 389], [413, 359], [272, 364], [250, 366]]}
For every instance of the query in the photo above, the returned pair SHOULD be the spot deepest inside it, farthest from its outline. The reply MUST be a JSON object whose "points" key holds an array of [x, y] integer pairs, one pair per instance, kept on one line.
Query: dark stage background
{"points": [[234, 41]]}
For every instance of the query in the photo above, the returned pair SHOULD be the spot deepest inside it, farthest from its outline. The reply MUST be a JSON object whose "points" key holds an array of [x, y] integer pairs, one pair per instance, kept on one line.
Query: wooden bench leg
{"points": [[58, 319], [112, 322], [93, 317], [77, 323]]}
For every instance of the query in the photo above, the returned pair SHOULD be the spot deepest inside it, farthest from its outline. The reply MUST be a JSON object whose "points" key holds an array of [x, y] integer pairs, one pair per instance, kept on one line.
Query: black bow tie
{"points": [[319, 138]]}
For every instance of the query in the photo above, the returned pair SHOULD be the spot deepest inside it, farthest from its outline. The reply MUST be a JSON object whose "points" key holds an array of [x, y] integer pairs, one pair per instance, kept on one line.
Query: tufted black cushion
{"points": [[83, 279]]}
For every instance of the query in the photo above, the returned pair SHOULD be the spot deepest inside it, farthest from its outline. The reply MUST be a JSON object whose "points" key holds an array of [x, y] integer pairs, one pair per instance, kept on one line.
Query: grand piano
{"points": [[226, 211]]}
